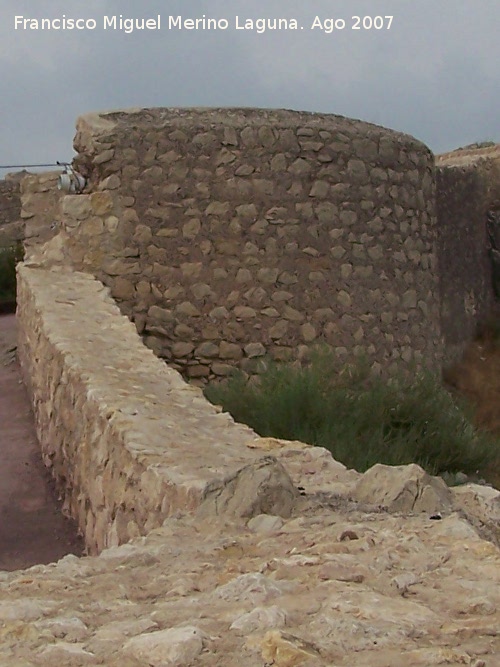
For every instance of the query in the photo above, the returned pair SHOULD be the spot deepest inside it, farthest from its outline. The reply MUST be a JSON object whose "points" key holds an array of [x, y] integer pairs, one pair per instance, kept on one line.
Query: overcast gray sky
{"points": [[434, 74]]}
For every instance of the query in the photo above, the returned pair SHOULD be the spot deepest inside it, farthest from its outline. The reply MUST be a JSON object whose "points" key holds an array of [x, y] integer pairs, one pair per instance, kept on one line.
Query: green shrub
{"points": [[9, 257], [360, 418]]}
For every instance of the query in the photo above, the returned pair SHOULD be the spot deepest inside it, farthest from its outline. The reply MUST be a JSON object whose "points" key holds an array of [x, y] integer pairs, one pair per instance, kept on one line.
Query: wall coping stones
{"points": [[198, 234], [100, 124]]}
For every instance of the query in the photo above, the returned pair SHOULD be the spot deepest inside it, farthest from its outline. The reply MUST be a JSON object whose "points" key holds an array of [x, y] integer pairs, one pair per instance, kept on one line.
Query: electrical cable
{"points": [[19, 166]]}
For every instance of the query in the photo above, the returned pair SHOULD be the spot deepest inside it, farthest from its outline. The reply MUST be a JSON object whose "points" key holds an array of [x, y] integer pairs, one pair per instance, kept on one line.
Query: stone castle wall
{"points": [[9, 201], [11, 228], [40, 208], [468, 191], [228, 235], [29, 208], [215, 546]]}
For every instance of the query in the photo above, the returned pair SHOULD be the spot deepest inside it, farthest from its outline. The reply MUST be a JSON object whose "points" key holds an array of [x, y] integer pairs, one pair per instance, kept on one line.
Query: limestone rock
{"points": [[265, 523], [66, 653], [161, 316], [263, 487], [403, 489], [255, 350], [481, 504], [284, 650], [252, 588], [71, 629], [174, 647], [260, 619], [27, 609]]}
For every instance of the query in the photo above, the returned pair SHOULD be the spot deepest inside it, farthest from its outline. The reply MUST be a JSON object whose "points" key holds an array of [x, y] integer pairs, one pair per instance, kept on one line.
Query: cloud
{"points": [[434, 74]]}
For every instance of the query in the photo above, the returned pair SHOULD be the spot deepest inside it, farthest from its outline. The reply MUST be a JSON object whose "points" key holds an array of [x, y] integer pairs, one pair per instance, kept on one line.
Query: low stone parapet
{"points": [[128, 441]]}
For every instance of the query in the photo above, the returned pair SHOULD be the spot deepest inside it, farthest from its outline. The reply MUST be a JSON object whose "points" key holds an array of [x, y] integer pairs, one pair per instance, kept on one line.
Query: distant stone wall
{"points": [[468, 190], [11, 227], [29, 208], [228, 235], [40, 207], [10, 201]]}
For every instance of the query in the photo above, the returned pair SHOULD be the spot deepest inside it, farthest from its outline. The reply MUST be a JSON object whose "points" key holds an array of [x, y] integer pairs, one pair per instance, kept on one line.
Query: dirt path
{"points": [[32, 527]]}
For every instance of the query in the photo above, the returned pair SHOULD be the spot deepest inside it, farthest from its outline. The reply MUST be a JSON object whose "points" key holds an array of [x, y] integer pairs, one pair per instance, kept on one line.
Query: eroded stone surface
{"points": [[403, 489], [408, 591]]}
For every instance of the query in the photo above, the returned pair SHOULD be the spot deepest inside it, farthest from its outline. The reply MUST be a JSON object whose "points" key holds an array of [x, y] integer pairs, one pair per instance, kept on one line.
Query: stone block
{"points": [[292, 314], [221, 369], [112, 182], [243, 276], [198, 371], [344, 298], [92, 226], [244, 170], [244, 312], [300, 167], [268, 275], [308, 332], [409, 299], [119, 267], [207, 350], [201, 291], [101, 203], [270, 312], [191, 229], [287, 278], [188, 309], [177, 646], [230, 351], [254, 350], [162, 316], [320, 190], [263, 487], [279, 163], [403, 489], [281, 295], [278, 330], [77, 207]]}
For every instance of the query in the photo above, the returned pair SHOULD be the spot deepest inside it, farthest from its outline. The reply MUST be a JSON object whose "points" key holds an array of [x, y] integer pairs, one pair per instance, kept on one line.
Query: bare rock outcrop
{"points": [[402, 489], [481, 505], [263, 487]]}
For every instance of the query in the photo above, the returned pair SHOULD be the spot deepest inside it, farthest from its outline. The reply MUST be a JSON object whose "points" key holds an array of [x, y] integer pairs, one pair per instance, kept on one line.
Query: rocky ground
{"points": [[332, 585], [376, 570]]}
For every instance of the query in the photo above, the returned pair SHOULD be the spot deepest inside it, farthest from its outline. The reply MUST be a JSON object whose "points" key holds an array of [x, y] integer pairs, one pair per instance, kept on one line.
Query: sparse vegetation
{"points": [[360, 418], [478, 144], [9, 257]]}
